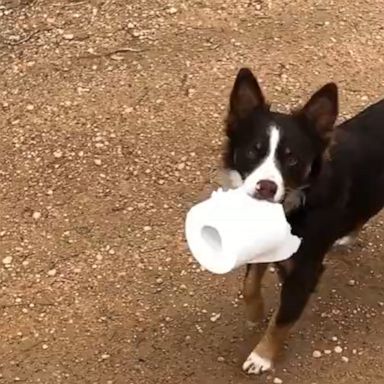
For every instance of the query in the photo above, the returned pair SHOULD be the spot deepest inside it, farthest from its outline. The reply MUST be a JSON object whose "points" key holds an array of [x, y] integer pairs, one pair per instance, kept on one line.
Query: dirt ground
{"points": [[111, 128]]}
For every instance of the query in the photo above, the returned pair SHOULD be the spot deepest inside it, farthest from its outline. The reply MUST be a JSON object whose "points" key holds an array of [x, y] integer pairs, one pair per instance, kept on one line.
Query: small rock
{"points": [[351, 283], [58, 153], [68, 36], [172, 10], [345, 359], [277, 380], [338, 349], [220, 359], [7, 260], [44, 346], [105, 356], [316, 354], [51, 272], [30, 107], [36, 215], [97, 161], [147, 228], [327, 351], [215, 317], [159, 280]]}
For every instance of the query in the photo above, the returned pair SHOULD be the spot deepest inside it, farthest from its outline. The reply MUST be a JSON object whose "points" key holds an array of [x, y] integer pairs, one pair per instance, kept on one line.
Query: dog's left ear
{"points": [[322, 109]]}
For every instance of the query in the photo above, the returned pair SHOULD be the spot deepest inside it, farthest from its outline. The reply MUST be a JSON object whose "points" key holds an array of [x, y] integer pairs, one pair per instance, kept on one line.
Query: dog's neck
{"points": [[294, 199]]}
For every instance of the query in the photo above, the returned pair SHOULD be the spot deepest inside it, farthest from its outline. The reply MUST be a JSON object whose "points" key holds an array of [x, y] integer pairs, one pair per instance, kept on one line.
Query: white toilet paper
{"points": [[231, 229]]}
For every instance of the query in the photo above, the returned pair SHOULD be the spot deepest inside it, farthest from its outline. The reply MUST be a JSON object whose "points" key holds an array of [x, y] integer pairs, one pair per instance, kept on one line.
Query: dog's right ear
{"points": [[246, 94]]}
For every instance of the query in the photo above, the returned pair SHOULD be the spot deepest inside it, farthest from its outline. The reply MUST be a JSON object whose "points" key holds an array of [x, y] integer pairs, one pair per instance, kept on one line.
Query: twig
{"points": [[113, 52], [141, 98], [24, 40], [152, 250], [13, 305]]}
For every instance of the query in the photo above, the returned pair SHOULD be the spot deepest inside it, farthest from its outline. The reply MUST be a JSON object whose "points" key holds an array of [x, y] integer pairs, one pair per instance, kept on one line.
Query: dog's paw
{"points": [[344, 241], [256, 364]]}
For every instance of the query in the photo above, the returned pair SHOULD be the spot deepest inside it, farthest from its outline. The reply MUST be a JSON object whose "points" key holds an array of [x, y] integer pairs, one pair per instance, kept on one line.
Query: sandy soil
{"points": [[110, 129]]}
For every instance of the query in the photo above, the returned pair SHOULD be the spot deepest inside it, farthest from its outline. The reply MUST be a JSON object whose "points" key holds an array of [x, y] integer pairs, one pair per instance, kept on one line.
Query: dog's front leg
{"points": [[253, 299], [296, 291]]}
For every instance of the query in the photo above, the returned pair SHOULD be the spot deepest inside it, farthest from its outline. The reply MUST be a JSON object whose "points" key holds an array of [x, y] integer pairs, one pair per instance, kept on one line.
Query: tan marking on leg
{"points": [[252, 292], [273, 340], [284, 268], [264, 355]]}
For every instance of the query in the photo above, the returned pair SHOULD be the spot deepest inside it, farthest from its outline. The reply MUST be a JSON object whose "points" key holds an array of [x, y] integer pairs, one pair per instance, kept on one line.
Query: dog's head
{"points": [[273, 155]]}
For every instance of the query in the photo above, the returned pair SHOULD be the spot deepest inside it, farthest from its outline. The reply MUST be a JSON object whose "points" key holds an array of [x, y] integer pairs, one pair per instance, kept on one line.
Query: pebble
{"points": [[45, 346], [147, 228], [338, 349], [345, 359], [215, 317], [58, 153], [172, 10], [36, 215], [105, 356], [316, 354], [51, 272], [159, 280], [277, 380], [351, 283], [97, 161], [68, 36], [7, 260], [220, 359], [327, 351]]}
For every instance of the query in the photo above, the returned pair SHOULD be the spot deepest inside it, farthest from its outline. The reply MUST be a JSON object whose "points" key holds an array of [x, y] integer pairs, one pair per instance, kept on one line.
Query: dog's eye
{"points": [[253, 152], [290, 158], [292, 161]]}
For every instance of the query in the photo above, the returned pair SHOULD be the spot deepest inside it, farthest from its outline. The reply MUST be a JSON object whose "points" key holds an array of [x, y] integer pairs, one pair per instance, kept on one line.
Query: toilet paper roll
{"points": [[232, 229]]}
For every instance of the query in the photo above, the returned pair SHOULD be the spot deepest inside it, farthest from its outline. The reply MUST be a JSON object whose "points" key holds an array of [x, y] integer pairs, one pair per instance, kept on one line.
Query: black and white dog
{"points": [[329, 179]]}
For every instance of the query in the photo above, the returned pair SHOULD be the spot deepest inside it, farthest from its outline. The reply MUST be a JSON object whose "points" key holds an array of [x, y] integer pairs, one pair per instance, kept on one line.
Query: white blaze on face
{"points": [[268, 169]]}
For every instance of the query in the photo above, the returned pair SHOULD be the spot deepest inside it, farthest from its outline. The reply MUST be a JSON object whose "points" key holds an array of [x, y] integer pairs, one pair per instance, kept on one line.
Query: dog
{"points": [[329, 179]]}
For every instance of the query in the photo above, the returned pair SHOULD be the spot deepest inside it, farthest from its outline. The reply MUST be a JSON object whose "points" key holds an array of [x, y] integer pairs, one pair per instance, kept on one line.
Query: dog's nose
{"points": [[266, 189]]}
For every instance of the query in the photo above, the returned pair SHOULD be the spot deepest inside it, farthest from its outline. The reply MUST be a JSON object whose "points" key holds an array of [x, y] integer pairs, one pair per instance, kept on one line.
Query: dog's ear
{"points": [[246, 94], [322, 109]]}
